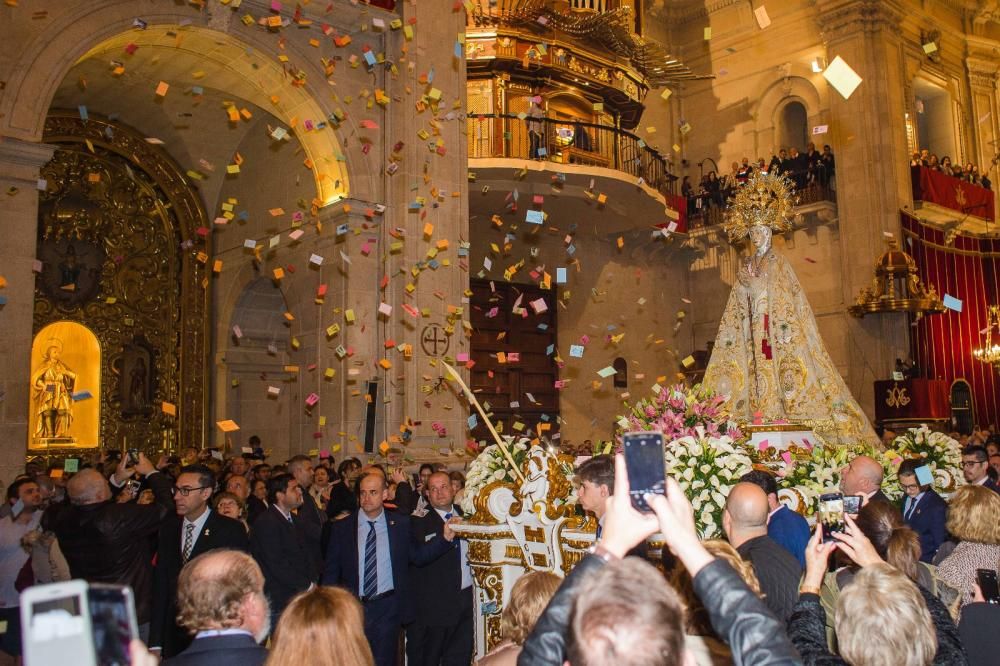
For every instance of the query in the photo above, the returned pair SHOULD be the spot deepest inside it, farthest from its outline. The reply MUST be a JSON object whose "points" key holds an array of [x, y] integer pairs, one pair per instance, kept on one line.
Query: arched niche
{"points": [[793, 126], [258, 318], [769, 110], [933, 115], [65, 396], [963, 410]]}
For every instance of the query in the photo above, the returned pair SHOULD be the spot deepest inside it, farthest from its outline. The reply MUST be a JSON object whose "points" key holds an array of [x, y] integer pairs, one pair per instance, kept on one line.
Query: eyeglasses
{"points": [[970, 463], [185, 491]]}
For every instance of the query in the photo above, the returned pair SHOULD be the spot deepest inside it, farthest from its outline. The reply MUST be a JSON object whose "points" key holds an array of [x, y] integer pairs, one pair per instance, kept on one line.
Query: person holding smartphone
{"points": [[24, 499]]}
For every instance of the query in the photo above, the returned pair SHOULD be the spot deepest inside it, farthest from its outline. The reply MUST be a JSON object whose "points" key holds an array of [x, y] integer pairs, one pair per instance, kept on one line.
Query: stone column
{"points": [[429, 188], [983, 86], [19, 168], [873, 180]]}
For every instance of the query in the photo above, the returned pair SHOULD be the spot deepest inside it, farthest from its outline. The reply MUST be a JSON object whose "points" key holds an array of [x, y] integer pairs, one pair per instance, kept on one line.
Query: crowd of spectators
{"points": [[339, 563], [970, 173], [709, 198]]}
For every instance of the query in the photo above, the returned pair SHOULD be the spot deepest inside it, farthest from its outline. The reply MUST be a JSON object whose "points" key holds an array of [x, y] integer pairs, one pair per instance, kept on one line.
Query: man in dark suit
{"points": [[745, 524], [975, 466], [108, 542], [195, 529], [370, 553], [308, 518], [788, 529], [442, 632], [277, 545], [923, 509], [863, 476], [209, 587]]}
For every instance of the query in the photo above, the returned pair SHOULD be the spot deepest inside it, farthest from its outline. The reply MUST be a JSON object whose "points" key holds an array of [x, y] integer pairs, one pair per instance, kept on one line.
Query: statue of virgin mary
{"points": [[768, 357]]}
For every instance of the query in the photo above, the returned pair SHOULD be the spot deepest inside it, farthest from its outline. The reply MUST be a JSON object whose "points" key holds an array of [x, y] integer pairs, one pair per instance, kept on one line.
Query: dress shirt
{"points": [[13, 556], [198, 523], [464, 550], [212, 633], [288, 516], [910, 504], [382, 551]]}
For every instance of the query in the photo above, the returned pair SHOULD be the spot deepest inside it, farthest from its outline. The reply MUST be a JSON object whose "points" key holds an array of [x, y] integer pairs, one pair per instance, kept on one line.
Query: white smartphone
{"points": [[79, 623]]}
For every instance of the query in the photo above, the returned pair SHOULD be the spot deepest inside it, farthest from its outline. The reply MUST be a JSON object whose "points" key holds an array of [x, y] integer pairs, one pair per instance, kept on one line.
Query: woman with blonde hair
{"points": [[974, 520], [324, 625], [700, 639], [528, 598]]}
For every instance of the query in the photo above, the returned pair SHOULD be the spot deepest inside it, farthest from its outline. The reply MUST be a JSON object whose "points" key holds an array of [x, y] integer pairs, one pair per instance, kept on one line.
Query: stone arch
{"points": [[89, 29], [259, 313], [769, 108]]}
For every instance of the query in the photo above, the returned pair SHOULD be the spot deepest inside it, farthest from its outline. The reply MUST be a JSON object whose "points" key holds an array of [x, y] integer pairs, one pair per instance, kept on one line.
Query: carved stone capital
{"points": [[24, 153], [982, 73], [840, 19]]}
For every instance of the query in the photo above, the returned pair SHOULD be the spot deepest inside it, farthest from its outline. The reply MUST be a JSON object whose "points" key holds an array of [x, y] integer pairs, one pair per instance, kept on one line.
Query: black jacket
{"points": [[778, 572], [978, 629], [807, 630], [277, 546], [754, 635], [309, 522], [255, 507], [111, 543], [437, 586], [342, 499], [236, 650], [218, 532]]}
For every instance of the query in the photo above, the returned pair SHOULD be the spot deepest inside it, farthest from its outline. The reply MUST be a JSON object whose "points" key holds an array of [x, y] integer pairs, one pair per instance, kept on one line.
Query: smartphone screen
{"points": [[112, 622], [645, 465], [987, 579], [55, 627], [831, 514], [852, 504]]}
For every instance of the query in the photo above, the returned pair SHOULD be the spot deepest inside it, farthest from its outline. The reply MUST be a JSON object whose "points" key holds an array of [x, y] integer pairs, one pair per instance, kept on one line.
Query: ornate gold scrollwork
{"points": [[896, 397], [128, 208]]}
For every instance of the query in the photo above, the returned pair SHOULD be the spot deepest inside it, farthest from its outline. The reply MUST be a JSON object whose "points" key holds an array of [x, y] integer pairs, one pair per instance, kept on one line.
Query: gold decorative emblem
{"points": [[896, 397], [960, 196]]}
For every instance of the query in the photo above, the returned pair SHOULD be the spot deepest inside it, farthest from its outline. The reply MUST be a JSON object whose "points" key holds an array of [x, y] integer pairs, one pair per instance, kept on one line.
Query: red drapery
{"points": [[969, 270], [936, 187], [680, 204]]}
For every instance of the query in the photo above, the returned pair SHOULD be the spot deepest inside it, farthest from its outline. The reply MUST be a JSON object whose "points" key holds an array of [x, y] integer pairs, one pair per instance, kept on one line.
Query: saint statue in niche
{"points": [[52, 393], [768, 357]]}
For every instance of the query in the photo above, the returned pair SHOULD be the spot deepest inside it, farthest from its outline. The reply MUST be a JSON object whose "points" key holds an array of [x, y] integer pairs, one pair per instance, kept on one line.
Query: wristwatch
{"points": [[603, 553]]}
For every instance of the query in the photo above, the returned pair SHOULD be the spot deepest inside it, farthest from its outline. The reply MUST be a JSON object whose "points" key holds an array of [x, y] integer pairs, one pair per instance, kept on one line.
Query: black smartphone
{"points": [[852, 504], [133, 457], [987, 579], [112, 623], [647, 471], [831, 514]]}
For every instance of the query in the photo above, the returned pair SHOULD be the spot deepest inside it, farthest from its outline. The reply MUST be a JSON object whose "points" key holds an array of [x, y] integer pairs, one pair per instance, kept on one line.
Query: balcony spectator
{"points": [[744, 172], [799, 167], [945, 166], [775, 165], [782, 164], [813, 160], [915, 159], [760, 165], [535, 130], [827, 160], [730, 182], [925, 157], [933, 163], [713, 186]]}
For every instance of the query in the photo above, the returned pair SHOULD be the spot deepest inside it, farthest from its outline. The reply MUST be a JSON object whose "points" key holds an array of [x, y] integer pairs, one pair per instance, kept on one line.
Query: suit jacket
{"points": [[437, 585], [255, 507], [880, 496], [309, 522], [790, 531], [928, 521], [341, 567], [778, 572], [109, 542], [235, 650], [218, 532], [992, 485], [277, 546]]}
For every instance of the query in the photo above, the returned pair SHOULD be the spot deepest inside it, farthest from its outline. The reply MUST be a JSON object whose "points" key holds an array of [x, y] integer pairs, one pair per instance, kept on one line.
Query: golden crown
{"points": [[766, 199]]}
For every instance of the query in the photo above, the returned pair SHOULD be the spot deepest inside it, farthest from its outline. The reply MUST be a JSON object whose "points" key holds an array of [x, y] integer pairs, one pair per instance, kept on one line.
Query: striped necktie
{"points": [[371, 562]]}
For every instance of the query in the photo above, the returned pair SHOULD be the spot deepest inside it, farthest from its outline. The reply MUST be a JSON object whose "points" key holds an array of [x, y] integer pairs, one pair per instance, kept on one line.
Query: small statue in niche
{"points": [[52, 393]]}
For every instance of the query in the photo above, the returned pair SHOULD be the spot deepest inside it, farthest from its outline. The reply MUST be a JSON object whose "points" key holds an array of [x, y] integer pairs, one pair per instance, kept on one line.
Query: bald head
{"points": [[88, 487], [862, 476], [746, 513], [222, 589]]}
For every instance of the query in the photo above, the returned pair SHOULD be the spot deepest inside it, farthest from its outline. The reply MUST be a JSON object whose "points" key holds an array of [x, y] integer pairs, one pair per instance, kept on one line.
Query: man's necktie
{"points": [[371, 562], [188, 541], [600, 530], [447, 517], [909, 509]]}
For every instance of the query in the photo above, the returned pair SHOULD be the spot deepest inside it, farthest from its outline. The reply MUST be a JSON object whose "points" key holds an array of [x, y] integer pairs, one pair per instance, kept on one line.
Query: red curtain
{"points": [[969, 270], [965, 197]]}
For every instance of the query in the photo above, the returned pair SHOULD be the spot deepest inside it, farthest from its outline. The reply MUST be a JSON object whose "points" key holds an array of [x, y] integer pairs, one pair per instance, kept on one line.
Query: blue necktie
{"points": [[371, 562], [909, 511], [600, 530], [447, 517]]}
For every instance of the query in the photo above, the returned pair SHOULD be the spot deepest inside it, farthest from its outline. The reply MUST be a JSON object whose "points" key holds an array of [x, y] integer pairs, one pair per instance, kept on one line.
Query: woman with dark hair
{"points": [[341, 497], [945, 166]]}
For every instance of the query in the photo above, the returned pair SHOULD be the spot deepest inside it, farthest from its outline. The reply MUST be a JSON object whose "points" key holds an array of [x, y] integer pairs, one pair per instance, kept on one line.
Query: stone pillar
{"points": [[19, 168], [873, 181], [983, 86], [439, 181]]}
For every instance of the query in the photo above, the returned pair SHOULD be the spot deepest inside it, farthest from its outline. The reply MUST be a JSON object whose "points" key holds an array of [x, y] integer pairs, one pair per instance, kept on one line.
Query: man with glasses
{"points": [[975, 464], [923, 509], [193, 530]]}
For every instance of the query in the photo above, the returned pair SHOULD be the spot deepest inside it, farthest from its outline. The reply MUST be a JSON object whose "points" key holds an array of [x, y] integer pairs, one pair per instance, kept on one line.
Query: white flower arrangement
{"points": [[489, 466], [706, 468]]}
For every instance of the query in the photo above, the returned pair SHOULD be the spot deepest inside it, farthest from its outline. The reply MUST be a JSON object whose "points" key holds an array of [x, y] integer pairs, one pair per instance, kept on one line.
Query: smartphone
{"points": [[852, 504], [647, 470], [73, 622], [831, 514], [987, 579], [133, 457], [133, 486]]}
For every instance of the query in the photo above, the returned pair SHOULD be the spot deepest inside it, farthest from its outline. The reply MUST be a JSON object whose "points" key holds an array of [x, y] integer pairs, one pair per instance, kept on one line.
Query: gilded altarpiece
{"points": [[124, 248]]}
